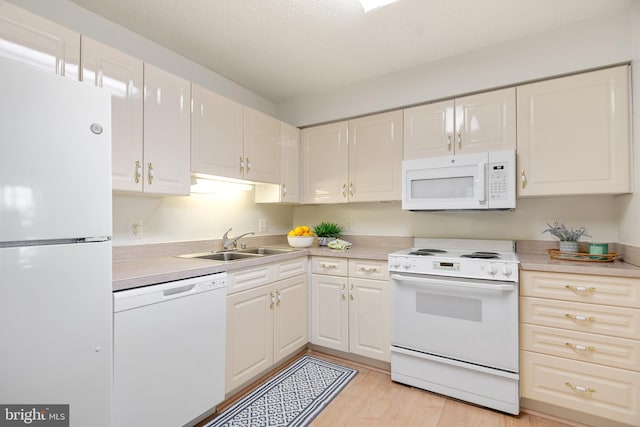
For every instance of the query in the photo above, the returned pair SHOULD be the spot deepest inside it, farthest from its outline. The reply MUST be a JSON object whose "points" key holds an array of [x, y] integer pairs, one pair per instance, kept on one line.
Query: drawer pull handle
{"points": [[580, 388], [342, 292], [581, 290], [578, 347], [369, 269], [327, 265], [351, 292], [273, 300], [580, 318]]}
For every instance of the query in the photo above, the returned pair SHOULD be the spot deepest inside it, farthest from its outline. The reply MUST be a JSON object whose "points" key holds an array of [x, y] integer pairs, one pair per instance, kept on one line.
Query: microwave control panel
{"points": [[498, 181]]}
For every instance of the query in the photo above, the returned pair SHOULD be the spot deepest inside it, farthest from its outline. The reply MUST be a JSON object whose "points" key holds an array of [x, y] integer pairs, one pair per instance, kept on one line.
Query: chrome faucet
{"points": [[234, 242]]}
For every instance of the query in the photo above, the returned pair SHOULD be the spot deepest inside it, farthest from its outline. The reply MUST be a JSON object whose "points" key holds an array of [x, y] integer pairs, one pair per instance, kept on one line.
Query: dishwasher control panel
{"points": [[215, 283]]}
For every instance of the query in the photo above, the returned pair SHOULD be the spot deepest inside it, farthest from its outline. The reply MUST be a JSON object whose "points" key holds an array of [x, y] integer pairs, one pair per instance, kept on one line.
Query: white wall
{"points": [[89, 24], [582, 46], [195, 217], [526, 222]]}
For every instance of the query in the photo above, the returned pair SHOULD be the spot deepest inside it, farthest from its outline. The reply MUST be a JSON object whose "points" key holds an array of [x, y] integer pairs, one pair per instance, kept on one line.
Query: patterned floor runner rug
{"points": [[294, 397]]}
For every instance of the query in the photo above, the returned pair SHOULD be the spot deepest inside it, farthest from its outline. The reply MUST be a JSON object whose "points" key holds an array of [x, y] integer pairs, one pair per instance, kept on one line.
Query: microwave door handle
{"points": [[482, 194], [432, 281]]}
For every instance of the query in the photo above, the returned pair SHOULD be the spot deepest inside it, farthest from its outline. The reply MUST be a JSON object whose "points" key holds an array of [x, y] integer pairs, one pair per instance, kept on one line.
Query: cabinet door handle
{"points": [[284, 190], [580, 318], [351, 189], [138, 172], [342, 292], [581, 290], [241, 165], [459, 134], [150, 173], [351, 291], [273, 300], [523, 179], [580, 348], [344, 190], [278, 297], [247, 165], [580, 388], [448, 142]]}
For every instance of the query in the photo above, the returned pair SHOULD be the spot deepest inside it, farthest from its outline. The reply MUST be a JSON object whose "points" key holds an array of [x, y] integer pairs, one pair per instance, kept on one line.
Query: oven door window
{"points": [[462, 319]]}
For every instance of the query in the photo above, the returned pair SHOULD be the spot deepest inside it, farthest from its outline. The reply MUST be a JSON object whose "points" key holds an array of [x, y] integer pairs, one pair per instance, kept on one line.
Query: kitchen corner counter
{"points": [[143, 265]]}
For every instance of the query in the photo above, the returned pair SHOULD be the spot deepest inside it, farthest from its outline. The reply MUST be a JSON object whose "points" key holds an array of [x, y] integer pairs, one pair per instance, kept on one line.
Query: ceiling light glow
{"points": [[369, 5]]}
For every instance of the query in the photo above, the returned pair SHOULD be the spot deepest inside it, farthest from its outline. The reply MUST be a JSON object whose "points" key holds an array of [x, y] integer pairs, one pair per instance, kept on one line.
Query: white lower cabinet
{"points": [[267, 318], [350, 308], [580, 344]]}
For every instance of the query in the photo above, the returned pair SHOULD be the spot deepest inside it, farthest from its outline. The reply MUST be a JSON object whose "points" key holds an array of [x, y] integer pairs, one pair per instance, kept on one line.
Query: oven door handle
{"points": [[427, 282]]}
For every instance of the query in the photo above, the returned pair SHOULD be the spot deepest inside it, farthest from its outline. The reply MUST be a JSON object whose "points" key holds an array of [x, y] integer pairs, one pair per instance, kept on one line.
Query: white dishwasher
{"points": [[169, 351]]}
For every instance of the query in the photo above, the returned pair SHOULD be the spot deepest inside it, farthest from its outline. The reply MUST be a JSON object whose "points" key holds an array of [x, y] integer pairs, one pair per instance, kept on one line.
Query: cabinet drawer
{"points": [[617, 321], [290, 268], [248, 278], [369, 269], [593, 389], [620, 291], [329, 265], [605, 350]]}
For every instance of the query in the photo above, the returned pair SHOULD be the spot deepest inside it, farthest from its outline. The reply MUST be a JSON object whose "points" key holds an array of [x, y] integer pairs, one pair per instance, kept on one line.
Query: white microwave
{"points": [[468, 181]]}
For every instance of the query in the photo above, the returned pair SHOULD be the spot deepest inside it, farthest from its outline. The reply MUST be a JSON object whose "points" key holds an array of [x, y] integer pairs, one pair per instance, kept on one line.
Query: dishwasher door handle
{"points": [[178, 290]]}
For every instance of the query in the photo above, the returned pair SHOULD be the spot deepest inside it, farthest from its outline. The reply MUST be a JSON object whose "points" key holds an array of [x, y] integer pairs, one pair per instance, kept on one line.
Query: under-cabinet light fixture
{"points": [[217, 186], [369, 5]]}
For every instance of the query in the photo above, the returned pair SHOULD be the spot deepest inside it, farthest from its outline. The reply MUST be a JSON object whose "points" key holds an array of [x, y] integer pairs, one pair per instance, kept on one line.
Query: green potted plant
{"points": [[568, 236], [326, 231]]}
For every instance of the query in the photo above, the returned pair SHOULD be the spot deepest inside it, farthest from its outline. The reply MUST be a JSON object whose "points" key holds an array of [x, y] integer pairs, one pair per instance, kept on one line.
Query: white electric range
{"points": [[454, 320]]}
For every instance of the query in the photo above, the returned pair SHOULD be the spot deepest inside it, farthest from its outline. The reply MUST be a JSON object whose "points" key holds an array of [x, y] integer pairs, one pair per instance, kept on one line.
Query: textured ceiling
{"points": [[281, 49]]}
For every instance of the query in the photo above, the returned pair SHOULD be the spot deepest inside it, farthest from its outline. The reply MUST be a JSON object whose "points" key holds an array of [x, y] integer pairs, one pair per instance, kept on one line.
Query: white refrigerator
{"points": [[55, 246]]}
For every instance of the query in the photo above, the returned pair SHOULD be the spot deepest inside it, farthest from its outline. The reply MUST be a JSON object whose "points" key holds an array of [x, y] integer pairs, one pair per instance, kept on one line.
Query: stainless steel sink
{"points": [[238, 254], [265, 251], [221, 256]]}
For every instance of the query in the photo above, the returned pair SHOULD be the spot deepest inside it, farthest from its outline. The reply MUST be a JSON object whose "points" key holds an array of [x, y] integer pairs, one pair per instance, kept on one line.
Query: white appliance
{"points": [[55, 247], [169, 352], [454, 320], [466, 181]]}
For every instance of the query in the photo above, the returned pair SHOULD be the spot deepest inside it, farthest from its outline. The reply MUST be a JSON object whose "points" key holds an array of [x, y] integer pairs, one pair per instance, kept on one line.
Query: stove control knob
{"points": [[506, 270], [407, 263], [491, 270]]}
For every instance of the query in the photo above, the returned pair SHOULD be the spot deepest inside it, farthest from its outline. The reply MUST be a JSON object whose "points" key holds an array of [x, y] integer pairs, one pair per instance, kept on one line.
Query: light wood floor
{"points": [[372, 399]]}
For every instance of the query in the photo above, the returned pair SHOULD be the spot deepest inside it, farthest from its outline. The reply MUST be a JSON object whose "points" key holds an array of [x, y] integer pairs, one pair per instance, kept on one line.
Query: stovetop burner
{"points": [[482, 255], [427, 252]]}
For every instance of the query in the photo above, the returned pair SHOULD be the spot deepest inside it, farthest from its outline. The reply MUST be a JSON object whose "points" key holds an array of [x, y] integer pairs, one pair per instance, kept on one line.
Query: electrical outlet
{"points": [[347, 225], [135, 230], [263, 225]]}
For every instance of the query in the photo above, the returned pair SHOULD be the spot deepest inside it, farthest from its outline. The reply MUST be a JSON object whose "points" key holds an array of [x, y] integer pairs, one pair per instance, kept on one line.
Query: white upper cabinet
{"points": [[574, 135], [167, 130], [233, 141], [375, 157], [38, 42], [353, 161], [470, 124], [325, 164], [217, 134], [122, 76], [290, 164], [261, 147]]}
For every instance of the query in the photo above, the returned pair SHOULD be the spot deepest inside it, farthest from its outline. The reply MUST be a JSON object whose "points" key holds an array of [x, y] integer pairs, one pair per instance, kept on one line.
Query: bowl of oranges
{"points": [[300, 236]]}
